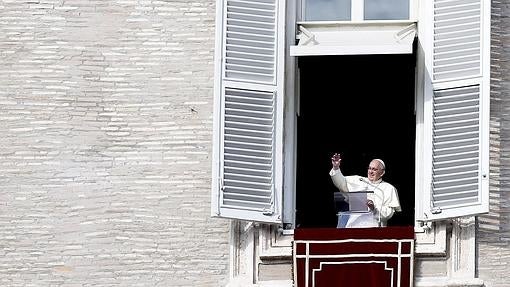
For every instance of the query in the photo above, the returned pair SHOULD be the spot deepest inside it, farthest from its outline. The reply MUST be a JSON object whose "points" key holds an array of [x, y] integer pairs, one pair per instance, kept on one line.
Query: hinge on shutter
{"points": [[436, 210], [267, 211]]}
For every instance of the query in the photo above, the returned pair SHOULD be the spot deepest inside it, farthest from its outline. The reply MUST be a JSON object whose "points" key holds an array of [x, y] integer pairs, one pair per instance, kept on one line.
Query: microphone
{"points": [[369, 183]]}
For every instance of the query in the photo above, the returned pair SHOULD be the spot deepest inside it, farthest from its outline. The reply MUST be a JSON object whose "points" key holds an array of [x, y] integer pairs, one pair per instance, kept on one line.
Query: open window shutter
{"points": [[248, 120], [459, 57]]}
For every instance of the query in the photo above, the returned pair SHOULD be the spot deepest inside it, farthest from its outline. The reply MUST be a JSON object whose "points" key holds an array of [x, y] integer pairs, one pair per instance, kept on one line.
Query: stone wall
{"points": [[105, 144], [494, 228]]}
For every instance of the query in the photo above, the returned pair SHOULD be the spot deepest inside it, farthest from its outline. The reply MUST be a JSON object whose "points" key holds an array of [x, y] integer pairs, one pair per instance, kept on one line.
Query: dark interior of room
{"points": [[363, 108]]}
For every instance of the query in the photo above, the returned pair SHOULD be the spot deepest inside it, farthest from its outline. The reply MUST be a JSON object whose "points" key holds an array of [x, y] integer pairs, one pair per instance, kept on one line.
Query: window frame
{"points": [[423, 146]]}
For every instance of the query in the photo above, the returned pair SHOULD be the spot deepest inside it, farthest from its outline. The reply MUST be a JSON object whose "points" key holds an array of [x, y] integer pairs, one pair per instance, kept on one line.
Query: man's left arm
{"points": [[390, 204]]}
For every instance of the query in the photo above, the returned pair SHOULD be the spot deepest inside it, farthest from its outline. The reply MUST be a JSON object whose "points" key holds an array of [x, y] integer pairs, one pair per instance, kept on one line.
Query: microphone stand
{"points": [[380, 207]]}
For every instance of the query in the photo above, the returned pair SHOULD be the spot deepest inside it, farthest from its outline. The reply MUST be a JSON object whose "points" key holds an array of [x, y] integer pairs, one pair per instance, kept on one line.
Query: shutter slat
{"points": [[248, 171], [248, 204], [453, 40], [240, 74], [232, 191], [248, 120], [248, 127], [464, 66], [456, 176], [457, 12], [444, 30], [249, 69], [248, 62], [233, 163], [268, 5], [452, 124], [473, 46], [243, 138], [247, 158], [465, 198], [454, 170], [447, 150], [247, 184], [457, 3], [249, 152], [250, 133], [453, 60], [263, 109], [456, 34], [456, 157], [249, 46], [253, 15], [253, 202], [234, 55], [455, 144], [251, 31]]}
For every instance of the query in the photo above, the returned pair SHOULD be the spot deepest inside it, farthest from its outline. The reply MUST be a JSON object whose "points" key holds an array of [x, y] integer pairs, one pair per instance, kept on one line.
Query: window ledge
{"points": [[275, 283], [244, 282], [448, 282], [277, 254]]}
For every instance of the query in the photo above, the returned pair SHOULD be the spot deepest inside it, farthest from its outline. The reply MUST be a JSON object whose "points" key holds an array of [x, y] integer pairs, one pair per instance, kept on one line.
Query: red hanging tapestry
{"points": [[364, 257]]}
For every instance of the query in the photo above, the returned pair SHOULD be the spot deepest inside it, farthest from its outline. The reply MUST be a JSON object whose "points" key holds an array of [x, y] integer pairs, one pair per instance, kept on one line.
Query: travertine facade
{"points": [[105, 140]]}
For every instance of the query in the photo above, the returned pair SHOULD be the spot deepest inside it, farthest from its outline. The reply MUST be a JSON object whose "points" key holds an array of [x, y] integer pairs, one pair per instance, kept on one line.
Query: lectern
{"points": [[358, 214]]}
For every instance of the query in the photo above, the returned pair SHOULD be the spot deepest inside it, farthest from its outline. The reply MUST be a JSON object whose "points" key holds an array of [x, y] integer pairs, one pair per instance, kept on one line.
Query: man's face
{"points": [[375, 171]]}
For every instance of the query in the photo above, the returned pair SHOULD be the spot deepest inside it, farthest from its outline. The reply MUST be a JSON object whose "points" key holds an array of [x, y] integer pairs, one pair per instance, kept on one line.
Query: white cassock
{"points": [[384, 196]]}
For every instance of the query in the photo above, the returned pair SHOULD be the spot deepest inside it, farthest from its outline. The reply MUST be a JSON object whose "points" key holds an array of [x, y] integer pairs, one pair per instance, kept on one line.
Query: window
{"points": [[356, 10], [363, 107], [452, 91], [327, 10], [386, 9]]}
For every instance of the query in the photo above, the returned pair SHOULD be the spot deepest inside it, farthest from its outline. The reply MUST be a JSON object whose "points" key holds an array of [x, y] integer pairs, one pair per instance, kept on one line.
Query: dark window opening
{"points": [[362, 107]]}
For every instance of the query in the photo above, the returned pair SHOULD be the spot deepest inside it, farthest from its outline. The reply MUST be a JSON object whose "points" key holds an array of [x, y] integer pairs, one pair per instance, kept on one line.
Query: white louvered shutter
{"points": [[249, 111], [459, 57]]}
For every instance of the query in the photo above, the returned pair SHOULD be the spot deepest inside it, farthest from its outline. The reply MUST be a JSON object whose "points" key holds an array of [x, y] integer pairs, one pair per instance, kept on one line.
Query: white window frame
{"points": [[433, 235]]}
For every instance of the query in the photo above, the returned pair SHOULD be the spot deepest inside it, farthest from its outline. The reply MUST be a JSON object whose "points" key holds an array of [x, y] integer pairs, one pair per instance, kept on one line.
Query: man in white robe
{"points": [[383, 202]]}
